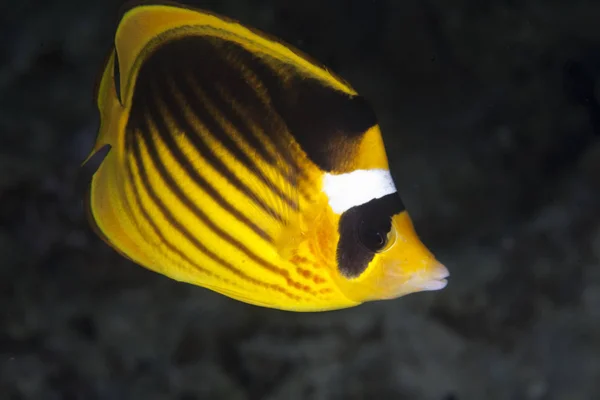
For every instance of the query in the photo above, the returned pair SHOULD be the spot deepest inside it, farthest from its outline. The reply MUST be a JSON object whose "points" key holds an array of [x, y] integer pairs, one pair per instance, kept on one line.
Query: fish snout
{"points": [[431, 277], [401, 280]]}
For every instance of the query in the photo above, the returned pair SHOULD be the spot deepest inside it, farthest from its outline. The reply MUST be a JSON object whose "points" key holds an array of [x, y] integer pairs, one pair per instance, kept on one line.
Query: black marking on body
{"points": [[363, 232], [325, 122]]}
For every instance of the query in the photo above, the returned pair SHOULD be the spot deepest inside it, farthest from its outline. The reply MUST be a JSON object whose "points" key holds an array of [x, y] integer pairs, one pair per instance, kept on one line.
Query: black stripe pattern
{"points": [[325, 122]]}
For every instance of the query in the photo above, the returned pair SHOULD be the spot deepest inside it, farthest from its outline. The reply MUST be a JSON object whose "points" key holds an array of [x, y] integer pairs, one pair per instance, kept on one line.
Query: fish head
{"points": [[395, 262], [405, 265]]}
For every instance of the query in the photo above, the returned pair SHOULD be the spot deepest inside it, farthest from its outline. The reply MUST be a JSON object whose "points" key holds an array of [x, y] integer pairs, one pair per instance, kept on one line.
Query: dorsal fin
{"points": [[143, 27]]}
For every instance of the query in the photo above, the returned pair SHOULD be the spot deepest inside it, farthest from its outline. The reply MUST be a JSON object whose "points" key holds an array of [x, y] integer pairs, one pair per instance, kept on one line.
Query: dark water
{"points": [[492, 123]]}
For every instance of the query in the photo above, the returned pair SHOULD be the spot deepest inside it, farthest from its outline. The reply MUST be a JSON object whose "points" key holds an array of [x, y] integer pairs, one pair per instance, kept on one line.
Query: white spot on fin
{"points": [[357, 187]]}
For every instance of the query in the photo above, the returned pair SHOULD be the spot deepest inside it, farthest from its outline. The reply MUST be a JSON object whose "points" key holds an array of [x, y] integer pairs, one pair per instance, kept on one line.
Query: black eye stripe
{"points": [[359, 227], [373, 238]]}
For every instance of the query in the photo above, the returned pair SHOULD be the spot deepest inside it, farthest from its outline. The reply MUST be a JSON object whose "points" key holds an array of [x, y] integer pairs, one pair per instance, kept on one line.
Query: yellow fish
{"points": [[240, 165]]}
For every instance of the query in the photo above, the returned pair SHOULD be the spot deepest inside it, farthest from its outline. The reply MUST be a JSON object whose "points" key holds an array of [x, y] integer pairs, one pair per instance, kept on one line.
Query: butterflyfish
{"points": [[241, 165]]}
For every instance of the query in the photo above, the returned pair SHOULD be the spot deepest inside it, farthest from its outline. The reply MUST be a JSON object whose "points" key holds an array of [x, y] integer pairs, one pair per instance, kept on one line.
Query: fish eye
{"points": [[374, 238]]}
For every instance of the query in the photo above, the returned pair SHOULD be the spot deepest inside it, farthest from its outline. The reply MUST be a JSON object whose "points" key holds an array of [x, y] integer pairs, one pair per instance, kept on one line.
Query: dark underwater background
{"points": [[492, 127]]}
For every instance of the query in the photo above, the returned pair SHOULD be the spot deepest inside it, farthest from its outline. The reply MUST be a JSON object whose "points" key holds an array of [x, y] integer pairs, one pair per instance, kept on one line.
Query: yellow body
{"points": [[146, 202]]}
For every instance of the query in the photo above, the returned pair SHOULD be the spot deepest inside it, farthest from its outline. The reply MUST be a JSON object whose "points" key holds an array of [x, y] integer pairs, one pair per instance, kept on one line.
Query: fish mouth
{"points": [[431, 285], [433, 278]]}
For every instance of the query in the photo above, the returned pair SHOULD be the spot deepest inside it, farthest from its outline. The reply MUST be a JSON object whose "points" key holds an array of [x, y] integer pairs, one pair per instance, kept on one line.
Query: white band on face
{"points": [[357, 187]]}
